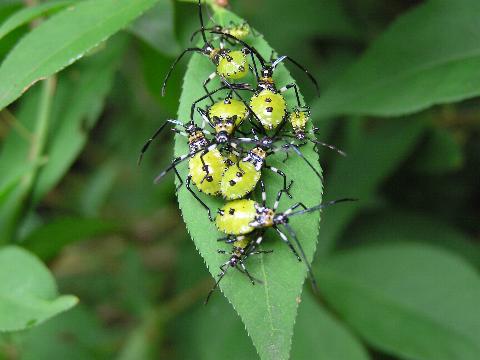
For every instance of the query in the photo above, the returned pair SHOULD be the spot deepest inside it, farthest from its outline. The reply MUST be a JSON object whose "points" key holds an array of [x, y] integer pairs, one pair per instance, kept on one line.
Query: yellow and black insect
{"points": [[206, 163], [299, 119], [242, 177], [243, 247], [300, 135], [267, 104], [244, 216], [240, 31], [230, 64], [225, 116]]}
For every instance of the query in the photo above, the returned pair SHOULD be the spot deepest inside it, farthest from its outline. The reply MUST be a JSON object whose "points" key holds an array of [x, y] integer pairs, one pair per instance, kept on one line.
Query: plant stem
{"points": [[19, 202], [41, 129]]}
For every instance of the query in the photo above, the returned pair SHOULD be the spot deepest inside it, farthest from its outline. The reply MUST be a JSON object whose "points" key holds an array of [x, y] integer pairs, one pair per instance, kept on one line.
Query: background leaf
{"points": [[411, 300], [270, 322], [321, 336], [373, 154], [28, 294], [27, 14], [77, 104], [48, 240], [63, 39], [158, 20], [414, 64]]}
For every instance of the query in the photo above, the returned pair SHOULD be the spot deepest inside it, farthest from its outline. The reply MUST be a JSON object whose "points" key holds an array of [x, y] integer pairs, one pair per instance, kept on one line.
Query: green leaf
{"points": [[440, 154], [75, 335], [395, 226], [27, 14], [270, 322], [156, 28], [428, 56], [373, 154], [194, 330], [28, 294], [318, 332], [414, 301], [49, 239], [77, 104], [77, 107], [63, 39]]}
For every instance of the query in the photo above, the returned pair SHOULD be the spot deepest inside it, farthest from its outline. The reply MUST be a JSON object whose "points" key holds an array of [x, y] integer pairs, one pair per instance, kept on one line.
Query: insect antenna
{"points": [[149, 141], [301, 67], [167, 77], [319, 207], [174, 164], [331, 147], [200, 15], [222, 274], [302, 253]]}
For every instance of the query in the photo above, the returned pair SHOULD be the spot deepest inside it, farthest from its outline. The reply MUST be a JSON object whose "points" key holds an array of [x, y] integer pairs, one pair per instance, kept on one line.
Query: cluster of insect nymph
{"points": [[227, 160]]}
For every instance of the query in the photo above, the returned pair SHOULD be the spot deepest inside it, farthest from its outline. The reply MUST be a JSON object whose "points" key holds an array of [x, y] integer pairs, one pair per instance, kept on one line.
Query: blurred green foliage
{"points": [[398, 272]]}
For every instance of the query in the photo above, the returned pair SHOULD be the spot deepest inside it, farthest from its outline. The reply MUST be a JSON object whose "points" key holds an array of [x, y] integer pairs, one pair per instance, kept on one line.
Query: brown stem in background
{"points": [[221, 3]]}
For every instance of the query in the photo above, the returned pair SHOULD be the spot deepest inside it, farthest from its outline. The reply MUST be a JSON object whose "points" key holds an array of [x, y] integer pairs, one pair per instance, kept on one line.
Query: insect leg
{"points": [[286, 241], [209, 94], [187, 185], [179, 178], [164, 85], [307, 264], [286, 188], [297, 94], [205, 83], [149, 141], [301, 67], [299, 153], [174, 163]]}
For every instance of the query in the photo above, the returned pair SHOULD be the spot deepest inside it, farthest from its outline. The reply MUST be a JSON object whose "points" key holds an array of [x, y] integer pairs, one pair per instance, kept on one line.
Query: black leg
{"points": [[301, 67], [295, 206], [264, 193], [299, 153], [187, 185], [205, 83], [164, 85], [208, 95], [282, 174], [149, 141], [220, 277], [172, 166], [179, 179], [286, 241], [297, 94], [307, 264]]}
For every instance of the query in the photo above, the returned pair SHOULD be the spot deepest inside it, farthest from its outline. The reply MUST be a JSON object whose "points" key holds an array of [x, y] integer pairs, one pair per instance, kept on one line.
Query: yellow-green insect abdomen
{"points": [[234, 217], [242, 242], [228, 109], [233, 66], [270, 107], [298, 119], [216, 166], [237, 183]]}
